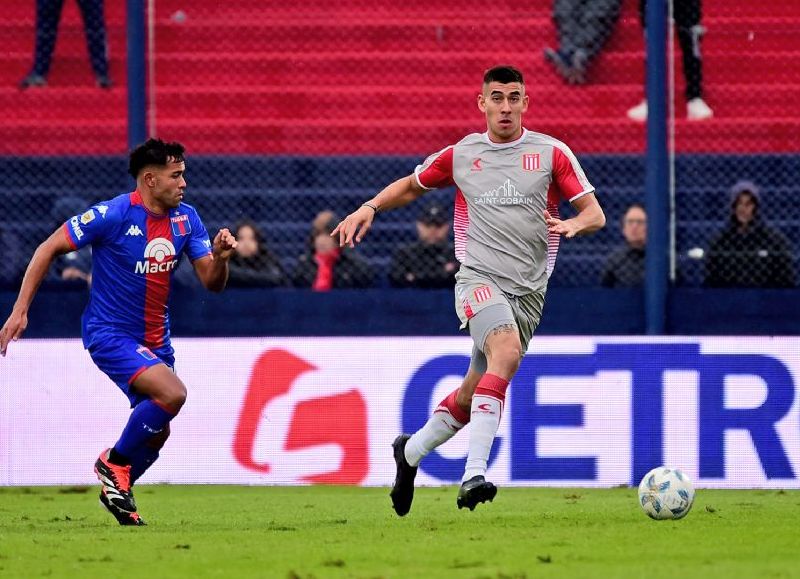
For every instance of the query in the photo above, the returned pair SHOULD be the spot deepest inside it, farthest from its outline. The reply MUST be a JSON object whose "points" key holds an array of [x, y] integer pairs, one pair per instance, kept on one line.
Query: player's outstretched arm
{"points": [[354, 227], [589, 219], [212, 270], [56, 244]]}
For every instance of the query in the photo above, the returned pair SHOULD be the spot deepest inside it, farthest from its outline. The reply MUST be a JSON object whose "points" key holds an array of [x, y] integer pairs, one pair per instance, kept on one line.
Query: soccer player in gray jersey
{"points": [[507, 228]]}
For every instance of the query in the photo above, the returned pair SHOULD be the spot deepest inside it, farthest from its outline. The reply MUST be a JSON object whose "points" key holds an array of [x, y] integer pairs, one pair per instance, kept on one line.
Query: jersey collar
{"points": [[505, 145], [136, 199]]}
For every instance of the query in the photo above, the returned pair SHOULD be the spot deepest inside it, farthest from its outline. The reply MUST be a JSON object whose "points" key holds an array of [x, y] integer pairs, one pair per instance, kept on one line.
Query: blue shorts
{"points": [[123, 359]]}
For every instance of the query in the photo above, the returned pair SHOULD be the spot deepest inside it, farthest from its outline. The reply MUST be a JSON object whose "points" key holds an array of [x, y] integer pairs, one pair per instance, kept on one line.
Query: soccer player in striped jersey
{"points": [[137, 242], [509, 181]]}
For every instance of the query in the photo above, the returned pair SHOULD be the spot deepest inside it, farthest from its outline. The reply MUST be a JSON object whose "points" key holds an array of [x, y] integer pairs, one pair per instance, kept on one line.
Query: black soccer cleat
{"points": [[124, 518], [403, 490], [116, 481], [475, 490]]}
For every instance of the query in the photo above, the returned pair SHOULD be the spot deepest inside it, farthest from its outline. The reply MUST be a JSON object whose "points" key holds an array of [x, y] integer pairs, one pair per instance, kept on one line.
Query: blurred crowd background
{"points": [[294, 114]]}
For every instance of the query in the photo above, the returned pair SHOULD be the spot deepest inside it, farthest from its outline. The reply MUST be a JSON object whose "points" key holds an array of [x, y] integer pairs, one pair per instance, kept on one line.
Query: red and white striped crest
{"points": [[530, 161], [482, 294]]}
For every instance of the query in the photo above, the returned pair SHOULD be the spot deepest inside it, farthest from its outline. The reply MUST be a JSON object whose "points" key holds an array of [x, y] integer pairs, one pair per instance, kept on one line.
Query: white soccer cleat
{"points": [[639, 112], [698, 110]]}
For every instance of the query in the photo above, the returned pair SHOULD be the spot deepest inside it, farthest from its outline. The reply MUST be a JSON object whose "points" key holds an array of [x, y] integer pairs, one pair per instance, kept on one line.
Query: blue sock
{"points": [[142, 459], [146, 420]]}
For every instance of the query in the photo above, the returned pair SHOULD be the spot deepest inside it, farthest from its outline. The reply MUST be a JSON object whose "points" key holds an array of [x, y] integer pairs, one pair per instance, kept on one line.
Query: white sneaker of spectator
{"points": [[698, 110], [639, 112]]}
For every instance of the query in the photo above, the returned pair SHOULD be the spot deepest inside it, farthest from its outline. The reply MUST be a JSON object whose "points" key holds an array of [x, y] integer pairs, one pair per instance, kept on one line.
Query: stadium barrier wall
{"points": [[582, 411]]}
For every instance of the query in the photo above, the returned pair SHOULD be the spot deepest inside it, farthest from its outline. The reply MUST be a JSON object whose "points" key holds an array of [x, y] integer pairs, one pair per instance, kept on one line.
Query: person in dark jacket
{"points": [[625, 266], [253, 264], [748, 252], [429, 262], [326, 266]]}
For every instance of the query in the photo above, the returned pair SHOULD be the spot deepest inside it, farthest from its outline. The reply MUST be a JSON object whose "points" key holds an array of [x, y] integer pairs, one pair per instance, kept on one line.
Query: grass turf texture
{"points": [[298, 532]]}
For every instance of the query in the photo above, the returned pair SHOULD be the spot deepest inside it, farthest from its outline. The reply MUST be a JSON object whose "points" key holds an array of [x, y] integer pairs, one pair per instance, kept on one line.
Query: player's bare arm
{"points": [[589, 219], [354, 227], [55, 245], [212, 270]]}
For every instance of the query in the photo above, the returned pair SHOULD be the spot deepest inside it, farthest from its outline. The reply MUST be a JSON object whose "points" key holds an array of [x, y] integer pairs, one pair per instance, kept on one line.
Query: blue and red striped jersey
{"points": [[134, 256]]}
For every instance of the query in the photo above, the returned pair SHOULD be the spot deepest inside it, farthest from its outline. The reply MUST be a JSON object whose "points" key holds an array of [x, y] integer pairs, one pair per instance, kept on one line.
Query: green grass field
{"points": [[294, 532]]}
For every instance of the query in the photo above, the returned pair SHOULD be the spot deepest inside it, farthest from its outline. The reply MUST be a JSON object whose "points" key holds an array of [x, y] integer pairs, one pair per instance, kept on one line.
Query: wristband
{"points": [[371, 206]]}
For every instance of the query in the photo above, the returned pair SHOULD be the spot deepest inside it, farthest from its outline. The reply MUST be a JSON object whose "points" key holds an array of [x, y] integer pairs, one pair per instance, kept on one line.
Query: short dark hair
{"points": [[154, 152], [504, 74]]}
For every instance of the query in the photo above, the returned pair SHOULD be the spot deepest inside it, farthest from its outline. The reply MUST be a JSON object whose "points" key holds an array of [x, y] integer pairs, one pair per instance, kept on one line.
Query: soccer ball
{"points": [[666, 493]]}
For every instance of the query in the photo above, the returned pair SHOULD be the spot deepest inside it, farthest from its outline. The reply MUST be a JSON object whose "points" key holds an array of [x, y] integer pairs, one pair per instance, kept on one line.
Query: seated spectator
{"points": [[326, 266], [12, 264], [74, 268], [749, 253], [583, 27], [431, 261], [253, 264], [625, 266]]}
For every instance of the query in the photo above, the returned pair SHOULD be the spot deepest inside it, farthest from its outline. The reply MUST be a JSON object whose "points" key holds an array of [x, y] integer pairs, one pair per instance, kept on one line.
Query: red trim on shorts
{"points": [[137, 374]]}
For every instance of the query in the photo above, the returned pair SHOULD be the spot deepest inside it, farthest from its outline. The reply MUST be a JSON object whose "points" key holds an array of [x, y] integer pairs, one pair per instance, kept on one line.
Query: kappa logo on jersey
{"points": [[76, 228], [482, 294], [531, 161], [134, 230], [158, 256], [476, 165], [315, 422], [180, 225], [145, 353], [87, 217], [101, 209]]}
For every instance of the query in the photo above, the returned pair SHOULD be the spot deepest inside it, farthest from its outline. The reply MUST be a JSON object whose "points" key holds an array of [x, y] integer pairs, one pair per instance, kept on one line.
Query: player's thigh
{"points": [[161, 384], [527, 315], [124, 360]]}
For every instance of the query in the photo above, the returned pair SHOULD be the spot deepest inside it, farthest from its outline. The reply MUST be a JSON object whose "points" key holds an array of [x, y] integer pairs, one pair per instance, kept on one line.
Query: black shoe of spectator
{"points": [[578, 67], [104, 82], [32, 80], [560, 63]]}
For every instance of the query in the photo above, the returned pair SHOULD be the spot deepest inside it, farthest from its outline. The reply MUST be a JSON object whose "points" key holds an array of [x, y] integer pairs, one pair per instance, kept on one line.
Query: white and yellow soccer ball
{"points": [[666, 493]]}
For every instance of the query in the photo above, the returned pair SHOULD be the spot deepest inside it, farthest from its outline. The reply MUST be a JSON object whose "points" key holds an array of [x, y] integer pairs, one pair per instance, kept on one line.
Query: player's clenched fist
{"points": [[12, 329], [224, 244]]}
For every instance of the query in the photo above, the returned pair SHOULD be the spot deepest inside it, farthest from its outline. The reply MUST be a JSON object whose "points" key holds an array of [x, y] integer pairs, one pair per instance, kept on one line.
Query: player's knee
{"points": [[173, 398], [506, 358]]}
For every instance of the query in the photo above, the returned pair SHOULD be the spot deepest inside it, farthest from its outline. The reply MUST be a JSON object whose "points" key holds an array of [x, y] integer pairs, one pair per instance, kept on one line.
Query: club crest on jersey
{"points": [[476, 165], [530, 161], [87, 217], [482, 294], [180, 225], [145, 353]]}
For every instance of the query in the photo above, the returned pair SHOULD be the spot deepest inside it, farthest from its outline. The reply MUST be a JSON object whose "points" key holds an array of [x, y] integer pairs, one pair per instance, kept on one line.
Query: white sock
{"points": [[485, 420], [440, 428]]}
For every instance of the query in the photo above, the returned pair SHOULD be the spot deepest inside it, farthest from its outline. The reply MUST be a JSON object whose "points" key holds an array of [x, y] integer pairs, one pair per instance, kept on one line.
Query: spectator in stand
{"points": [[749, 253], [326, 266], [430, 262], [253, 264], [12, 264], [686, 14], [583, 27], [625, 266], [48, 13], [73, 268]]}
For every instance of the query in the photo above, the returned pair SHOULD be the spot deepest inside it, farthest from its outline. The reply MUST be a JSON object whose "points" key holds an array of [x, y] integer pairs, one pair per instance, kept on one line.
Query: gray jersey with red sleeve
{"points": [[502, 192]]}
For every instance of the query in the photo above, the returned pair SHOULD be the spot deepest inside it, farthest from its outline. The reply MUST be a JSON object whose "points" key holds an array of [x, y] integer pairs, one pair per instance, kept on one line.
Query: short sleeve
{"points": [[90, 227], [436, 171], [199, 244], [568, 175]]}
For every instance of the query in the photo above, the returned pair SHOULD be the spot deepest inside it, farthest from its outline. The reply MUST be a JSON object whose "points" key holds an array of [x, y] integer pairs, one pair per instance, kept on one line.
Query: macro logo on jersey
{"points": [[180, 225], [531, 162], [505, 194], [158, 257]]}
